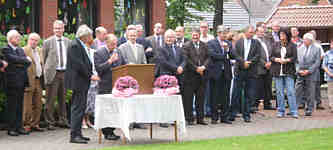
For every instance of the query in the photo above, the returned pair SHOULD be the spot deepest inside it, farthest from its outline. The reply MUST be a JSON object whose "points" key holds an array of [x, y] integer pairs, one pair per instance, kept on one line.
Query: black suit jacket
{"points": [[167, 63], [195, 59], [16, 72], [253, 56], [219, 59], [79, 67], [104, 69]]}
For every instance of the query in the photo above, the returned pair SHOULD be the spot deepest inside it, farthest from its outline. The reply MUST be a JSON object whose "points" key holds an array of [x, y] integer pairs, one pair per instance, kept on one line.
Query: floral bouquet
{"points": [[125, 86], [166, 85]]}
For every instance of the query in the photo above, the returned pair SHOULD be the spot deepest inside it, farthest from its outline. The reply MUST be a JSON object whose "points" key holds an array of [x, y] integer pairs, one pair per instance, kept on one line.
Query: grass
{"points": [[316, 139]]}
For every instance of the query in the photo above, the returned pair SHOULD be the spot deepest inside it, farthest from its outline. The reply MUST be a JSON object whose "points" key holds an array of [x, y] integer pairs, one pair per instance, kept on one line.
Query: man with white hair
{"points": [[308, 56], [55, 59], [99, 42], [124, 39], [78, 76], [33, 94], [17, 81], [276, 31]]}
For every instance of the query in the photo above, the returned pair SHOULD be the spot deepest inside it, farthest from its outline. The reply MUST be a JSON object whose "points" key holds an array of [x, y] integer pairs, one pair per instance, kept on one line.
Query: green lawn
{"points": [[317, 139]]}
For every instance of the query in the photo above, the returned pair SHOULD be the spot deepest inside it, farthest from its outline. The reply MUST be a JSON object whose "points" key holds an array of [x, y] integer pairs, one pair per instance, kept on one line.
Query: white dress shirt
{"points": [[64, 54], [247, 46]]}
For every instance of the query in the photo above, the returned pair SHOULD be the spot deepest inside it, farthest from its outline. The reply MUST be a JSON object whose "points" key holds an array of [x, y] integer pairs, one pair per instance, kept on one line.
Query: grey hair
{"points": [[58, 22], [111, 37], [100, 29], [34, 34], [157, 24], [169, 31], [83, 30], [12, 33]]}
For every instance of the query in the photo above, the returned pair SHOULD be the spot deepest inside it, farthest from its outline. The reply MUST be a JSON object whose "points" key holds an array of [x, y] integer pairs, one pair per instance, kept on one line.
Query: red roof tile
{"points": [[304, 16]]}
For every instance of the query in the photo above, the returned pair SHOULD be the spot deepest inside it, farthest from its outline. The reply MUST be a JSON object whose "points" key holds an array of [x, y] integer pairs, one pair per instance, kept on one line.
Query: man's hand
{"points": [[277, 60], [304, 72], [284, 61], [5, 64], [179, 70], [247, 64], [268, 65], [201, 70], [95, 78], [29, 58], [113, 58], [330, 74], [149, 49]]}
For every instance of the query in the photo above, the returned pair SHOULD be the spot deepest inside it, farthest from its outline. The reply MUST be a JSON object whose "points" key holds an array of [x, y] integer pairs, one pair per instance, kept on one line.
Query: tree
{"points": [[178, 11]]}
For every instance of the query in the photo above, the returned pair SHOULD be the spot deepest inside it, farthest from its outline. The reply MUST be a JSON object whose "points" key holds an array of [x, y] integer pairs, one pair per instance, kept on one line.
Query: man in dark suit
{"points": [[197, 59], [221, 76], [170, 60], [107, 58], [247, 55], [144, 42], [180, 39], [17, 80], [78, 76], [264, 65], [156, 41]]}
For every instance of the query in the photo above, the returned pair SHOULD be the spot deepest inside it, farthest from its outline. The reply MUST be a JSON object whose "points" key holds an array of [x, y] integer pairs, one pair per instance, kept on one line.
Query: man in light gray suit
{"points": [[132, 52], [308, 73], [55, 58]]}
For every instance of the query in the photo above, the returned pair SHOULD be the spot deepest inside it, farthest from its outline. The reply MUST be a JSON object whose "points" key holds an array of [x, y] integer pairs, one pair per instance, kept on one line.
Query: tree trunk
{"points": [[218, 17]]}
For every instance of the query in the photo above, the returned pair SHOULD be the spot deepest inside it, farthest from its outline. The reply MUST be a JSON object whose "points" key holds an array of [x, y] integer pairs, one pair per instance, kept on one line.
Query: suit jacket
{"points": [[32, 69], [185, 41], [78, 67], [194, 59], [253, 56], [104, 69], [289, 68], [126, 51], [167, 62], [16, 71], [309, 61], [262, 70], [219, 60], [51, 57], [154, 53]]}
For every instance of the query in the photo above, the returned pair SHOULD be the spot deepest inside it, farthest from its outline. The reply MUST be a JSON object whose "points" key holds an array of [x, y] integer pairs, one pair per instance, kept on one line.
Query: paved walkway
{"points": [[59, 139]]}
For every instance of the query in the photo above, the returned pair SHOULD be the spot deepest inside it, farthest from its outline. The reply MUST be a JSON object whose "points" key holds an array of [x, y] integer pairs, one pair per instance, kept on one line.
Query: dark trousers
{"points": [[56, 90], [248, 84], [108, 130], [15, 107], [220, 91], [265, 89], [78, 107], [194, 87]]}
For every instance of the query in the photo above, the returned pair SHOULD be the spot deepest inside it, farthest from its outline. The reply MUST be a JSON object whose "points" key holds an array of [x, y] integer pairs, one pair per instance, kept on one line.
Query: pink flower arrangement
{"points": [[166, 85], [125, 86]]}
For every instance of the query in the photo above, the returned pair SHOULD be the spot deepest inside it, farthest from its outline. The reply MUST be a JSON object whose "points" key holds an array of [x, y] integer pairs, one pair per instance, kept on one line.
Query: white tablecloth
{"points": [[118, 112]]}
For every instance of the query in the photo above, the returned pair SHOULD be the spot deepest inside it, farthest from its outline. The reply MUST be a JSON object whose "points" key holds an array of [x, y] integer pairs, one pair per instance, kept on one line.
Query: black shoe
{"points": [[214, 122], [268, 108], [38, 129], [289, 114], [63, 125], [226, 121], [308, 114], [85, 138], [320, 107], [13, 133], [247, 120], [201, 122], [190, 123], [112, 137], [22, 132], [139, 126], [301, 106], [232, 119], [78, 140], [164, 125], [51, 127]]}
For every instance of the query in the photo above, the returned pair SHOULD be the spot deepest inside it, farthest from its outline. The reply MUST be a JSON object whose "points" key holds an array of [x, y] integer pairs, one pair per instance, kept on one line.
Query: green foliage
{"points": [[2, 100], [177, 11]]}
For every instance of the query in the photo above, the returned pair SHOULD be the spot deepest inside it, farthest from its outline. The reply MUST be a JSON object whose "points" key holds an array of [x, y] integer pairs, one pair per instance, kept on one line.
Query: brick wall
{"points": [[105, 14], [158, 13], [302, 2], [48, 15]]}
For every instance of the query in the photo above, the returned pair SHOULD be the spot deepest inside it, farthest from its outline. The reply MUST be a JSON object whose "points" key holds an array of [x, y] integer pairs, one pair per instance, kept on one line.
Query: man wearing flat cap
{"points": [[308, 56]]}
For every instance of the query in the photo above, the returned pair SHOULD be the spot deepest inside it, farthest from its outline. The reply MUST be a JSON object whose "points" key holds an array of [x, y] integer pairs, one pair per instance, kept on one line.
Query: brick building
{"points": [[306, 16], [38, 15]]}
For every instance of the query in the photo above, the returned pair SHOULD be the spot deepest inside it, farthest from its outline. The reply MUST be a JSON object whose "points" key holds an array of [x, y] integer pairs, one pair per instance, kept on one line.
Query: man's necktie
{"points": [[61, 54], [37, 62]]}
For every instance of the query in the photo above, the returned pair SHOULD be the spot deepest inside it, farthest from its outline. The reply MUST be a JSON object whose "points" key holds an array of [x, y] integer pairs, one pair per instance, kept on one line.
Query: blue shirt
{"points": [[328, 63]]}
